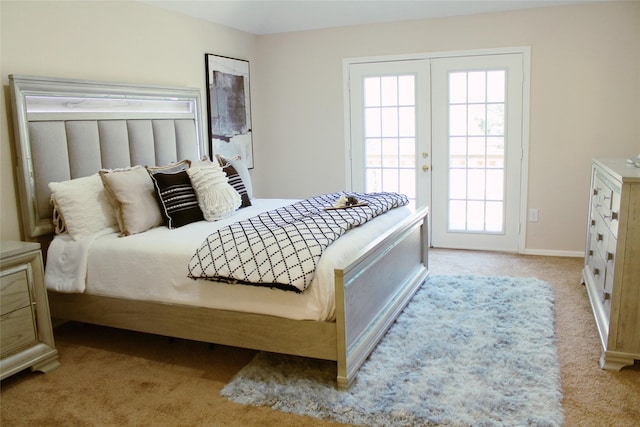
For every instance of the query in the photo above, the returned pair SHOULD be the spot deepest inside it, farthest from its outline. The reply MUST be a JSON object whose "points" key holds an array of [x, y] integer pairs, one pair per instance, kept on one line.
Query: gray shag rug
{"points": [[466, 351]]}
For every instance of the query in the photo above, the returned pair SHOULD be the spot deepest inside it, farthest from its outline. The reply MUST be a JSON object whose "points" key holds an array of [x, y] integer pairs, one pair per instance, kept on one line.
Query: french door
{"points": [[392, 126], [447, 132]]}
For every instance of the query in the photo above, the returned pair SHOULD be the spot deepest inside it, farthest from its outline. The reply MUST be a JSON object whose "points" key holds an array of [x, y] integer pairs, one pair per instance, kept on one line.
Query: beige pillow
{"points": [[83, 206], [133, 195]]}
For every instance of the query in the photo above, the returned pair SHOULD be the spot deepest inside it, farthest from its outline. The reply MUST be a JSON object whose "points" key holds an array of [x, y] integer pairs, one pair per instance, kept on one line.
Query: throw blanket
{"points": [[281, 248]]}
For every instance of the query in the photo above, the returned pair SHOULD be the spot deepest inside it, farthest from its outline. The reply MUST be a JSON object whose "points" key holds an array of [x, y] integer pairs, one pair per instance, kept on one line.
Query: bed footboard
{"points": [[372, 291]]}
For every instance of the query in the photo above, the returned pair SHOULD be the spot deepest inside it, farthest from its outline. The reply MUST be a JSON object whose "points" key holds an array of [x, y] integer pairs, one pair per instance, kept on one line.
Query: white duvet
{"points": [[153, 266]]}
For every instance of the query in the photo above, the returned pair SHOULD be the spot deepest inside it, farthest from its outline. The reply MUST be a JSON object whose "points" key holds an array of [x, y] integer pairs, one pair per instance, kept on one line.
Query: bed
{"points": [[69, 129]]}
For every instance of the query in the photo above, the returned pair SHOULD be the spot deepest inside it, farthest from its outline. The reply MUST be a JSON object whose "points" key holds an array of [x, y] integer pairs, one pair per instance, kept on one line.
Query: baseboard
{"points": [[547, 252]]}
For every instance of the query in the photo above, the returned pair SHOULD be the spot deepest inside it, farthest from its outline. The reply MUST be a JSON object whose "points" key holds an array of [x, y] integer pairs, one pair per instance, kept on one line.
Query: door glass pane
{"points": [[390, 134], [390, 148], [389, 90], [372, 92], [389, 121], [457, 88], [373, 152], [407, 121], [476, 151], [372, 124], [407, 91]]}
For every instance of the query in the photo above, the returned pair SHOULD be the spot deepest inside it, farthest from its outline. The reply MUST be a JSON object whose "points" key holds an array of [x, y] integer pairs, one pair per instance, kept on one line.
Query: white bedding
{"points": [[153, 266]]}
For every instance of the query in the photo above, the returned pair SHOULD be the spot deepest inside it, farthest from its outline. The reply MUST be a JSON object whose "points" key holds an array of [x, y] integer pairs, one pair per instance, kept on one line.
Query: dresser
{"points": [[26, 335], [611, 272]]}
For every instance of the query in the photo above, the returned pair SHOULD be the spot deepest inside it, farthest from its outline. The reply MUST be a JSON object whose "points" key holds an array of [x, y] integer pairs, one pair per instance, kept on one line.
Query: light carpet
{"points": [[466, 351]]}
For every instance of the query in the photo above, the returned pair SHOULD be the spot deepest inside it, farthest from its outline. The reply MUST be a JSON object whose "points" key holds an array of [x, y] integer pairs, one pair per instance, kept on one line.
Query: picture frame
{"points": [[229, 108]]}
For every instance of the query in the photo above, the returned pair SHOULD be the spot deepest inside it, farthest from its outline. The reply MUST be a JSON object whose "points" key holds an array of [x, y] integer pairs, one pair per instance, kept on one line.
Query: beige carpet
{"points": [[110, 377]]}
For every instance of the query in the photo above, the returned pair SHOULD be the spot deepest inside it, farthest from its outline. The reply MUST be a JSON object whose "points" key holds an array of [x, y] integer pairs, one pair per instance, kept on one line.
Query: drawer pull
{"points": [[595, 191], [605, 296], [590, 253], [599, 237], [614, 215], [596, 271], [593, 222], [609, 256]]}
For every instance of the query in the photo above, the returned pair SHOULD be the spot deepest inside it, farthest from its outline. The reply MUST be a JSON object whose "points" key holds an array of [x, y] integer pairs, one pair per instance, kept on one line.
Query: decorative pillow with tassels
{"points": [[216, 197]]}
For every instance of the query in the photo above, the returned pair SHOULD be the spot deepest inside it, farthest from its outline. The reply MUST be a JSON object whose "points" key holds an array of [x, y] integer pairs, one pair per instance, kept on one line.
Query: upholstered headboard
{"points": [[68, 129]]}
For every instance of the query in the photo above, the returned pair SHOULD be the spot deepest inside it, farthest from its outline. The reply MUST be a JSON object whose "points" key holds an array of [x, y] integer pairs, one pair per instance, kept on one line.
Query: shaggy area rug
{"points": [[466, 351]]}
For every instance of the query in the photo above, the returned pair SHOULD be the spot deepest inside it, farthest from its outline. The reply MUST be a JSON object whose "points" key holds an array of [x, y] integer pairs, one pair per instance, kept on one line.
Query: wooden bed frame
{"points": [[370, 292]]}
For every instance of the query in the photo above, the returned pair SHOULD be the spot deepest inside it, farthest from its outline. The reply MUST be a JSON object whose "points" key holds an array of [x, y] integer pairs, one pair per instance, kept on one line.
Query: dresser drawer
{"points": [[14, 285], [612, 219], [600, 236], [602, 195], [17, 330]]}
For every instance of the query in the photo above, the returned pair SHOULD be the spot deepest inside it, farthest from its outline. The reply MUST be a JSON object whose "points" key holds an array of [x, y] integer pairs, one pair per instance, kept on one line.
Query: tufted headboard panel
{"points": [[68, 129]]}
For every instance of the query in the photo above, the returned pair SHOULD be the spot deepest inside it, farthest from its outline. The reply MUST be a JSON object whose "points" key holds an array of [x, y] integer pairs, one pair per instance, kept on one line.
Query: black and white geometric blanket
{"points": [[281, 248]]}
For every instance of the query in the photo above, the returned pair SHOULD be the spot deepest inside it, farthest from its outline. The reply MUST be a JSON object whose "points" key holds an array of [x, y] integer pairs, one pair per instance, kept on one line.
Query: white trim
{"points": [[524, 166], [548, 252], [346, 89], [433, 55]]}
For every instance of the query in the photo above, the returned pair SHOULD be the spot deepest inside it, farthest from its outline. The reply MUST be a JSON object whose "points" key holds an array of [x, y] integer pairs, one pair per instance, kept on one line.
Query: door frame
{"points": [[525, 51]]}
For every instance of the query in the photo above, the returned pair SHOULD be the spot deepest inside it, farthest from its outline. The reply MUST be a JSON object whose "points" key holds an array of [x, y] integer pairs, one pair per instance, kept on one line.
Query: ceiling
{"points": [[278, 16]]}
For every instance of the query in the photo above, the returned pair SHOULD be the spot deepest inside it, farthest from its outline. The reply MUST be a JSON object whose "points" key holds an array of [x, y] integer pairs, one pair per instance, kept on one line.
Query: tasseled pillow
{"points": [[216, 198]]}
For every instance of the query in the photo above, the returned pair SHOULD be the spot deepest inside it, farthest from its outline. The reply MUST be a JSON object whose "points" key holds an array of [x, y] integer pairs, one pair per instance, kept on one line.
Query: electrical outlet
{"points": [[533, 215]]}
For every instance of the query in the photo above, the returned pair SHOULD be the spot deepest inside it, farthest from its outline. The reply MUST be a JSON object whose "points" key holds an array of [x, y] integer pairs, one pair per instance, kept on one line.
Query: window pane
{"points": [[373, 152], [408, 182], [457, 215], [390, 153], [407, 122], [390, 121], [477, 119], [389, 90], [457, 183], [374, 181], [390, 180], [477, 86], [495, 152], [495, 119], [475, 216], [372, 92], [495, 86], [476, 152], [495, 184], [372, 125], [495, 217], [408, 152], [457, 88], [475, 184], [457, 152], [407, 95], [457, 120]]}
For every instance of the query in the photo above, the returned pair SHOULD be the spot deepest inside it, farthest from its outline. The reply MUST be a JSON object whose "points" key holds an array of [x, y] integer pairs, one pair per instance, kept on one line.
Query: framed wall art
{"points": [[229, 108]]}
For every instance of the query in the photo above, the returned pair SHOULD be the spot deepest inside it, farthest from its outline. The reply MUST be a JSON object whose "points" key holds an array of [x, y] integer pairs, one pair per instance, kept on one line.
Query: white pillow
{"points": [[83, 205], [216, 197]]}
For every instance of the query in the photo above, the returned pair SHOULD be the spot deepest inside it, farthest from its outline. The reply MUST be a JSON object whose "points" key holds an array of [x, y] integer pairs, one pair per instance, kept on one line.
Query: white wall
{"points": [[585, 101], [585, 89]]}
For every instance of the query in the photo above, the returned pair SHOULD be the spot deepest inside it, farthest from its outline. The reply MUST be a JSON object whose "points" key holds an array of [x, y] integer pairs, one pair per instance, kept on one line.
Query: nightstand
{"points": [[26, 335]]}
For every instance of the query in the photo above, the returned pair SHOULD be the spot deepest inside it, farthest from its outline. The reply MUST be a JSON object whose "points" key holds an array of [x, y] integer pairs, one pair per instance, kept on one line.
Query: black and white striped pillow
{"points": [[235, 180], [177, 198]]}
